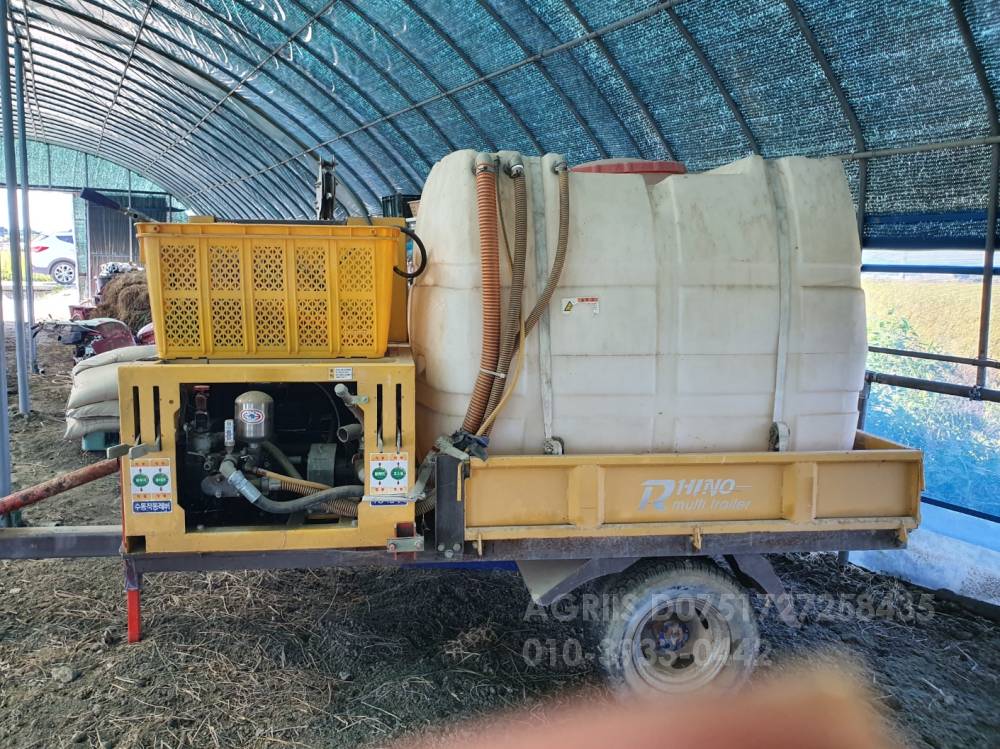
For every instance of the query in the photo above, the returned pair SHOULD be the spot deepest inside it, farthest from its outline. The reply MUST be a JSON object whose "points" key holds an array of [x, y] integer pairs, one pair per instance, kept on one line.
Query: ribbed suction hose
{"points": [[327, 497], [344, 507], [560, 259], [550, 286], [512, 320], [489, 260]]}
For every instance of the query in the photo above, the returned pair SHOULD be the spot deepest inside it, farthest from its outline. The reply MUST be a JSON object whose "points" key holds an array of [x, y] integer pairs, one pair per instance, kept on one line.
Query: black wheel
{"points": [[678, 626], [63, 272]]}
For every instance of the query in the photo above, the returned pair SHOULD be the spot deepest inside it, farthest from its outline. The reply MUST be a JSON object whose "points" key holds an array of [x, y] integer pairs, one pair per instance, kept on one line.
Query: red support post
{"points": [[134, 609], [133, 601]]}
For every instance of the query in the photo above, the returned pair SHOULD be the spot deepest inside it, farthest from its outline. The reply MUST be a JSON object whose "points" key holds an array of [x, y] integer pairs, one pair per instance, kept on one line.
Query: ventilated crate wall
{"points": [[237, 293]]}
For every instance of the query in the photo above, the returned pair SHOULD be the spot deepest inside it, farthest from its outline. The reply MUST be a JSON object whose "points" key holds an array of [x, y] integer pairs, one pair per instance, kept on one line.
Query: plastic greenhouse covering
{"points": [[229, 103], [60, 168]]}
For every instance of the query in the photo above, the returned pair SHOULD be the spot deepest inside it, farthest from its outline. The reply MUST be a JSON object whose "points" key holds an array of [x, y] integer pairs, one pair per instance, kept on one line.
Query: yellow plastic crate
{"points": [[269, 290]]}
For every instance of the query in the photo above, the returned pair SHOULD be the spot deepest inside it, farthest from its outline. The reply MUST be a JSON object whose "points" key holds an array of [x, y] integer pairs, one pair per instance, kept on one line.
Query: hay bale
{"points": [[126, 298]]}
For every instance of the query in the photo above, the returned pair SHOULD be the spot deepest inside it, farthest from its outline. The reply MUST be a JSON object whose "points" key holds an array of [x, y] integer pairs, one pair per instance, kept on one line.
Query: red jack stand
{"points": [[133, 598]]}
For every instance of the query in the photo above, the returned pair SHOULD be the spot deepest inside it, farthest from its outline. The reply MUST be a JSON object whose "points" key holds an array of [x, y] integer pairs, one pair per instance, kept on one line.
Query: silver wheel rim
{"points": [[679, 644], [64, 273]]}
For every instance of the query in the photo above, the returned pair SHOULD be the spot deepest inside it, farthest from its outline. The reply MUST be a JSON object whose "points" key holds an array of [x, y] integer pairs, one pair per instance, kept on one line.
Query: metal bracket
{"points": [[117, 451], [405, 544], [144, 448], [902, 536], [449, 509], [754, 571], [548, 580]]}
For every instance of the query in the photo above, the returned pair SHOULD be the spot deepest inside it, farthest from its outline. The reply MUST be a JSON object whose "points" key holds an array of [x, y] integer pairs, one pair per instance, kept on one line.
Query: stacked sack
{"points": [[93, 401]]}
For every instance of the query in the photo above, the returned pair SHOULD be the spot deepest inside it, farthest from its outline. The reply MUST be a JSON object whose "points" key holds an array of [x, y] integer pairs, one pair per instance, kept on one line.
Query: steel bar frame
{"points": [[982, 361], [256, 110], [707, 66], [73, 108], [845, 106], [559, 91], [994, 185], [283, 111], [68, 134], [391, 152], [152, 66], [105, 541], [214, 139], [22, 155], [424, 70], [972, 392], [367, 59], [21, 331], [940, 145], [941, 270], [125, 68], [112, 30], [471, 64], [30, 60], [247, 76], [5, 462], [532, 59], [935, 357], [342, 79], [627, 84]]}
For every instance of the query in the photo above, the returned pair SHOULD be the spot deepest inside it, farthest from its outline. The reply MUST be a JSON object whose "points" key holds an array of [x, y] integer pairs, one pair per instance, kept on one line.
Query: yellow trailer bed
{"points": [[585, 502], [875, 486]]}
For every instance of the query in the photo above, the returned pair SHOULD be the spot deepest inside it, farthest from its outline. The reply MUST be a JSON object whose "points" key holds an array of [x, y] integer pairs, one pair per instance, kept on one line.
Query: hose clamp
{"points": [[515, 166], [485, 163]]}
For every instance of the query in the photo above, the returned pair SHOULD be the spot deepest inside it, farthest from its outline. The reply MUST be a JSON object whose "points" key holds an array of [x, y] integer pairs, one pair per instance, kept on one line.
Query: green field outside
{"points": [[944, 314], [5, 269], [960, 437]]}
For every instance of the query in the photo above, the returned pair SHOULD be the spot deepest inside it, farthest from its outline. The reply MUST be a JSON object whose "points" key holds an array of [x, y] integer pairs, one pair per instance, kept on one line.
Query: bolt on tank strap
{"points": [[780, 434]]}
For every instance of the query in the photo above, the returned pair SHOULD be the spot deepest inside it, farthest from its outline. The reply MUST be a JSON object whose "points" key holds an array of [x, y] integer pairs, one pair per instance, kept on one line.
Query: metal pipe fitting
{"points": [[350, 432], [515, 165], [485, 162], [345, 395], [240, 482]]}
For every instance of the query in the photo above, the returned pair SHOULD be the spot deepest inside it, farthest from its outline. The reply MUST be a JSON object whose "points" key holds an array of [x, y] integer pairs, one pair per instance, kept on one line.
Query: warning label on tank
{"points": [[591, 303], [151, 484], [389, 473]]}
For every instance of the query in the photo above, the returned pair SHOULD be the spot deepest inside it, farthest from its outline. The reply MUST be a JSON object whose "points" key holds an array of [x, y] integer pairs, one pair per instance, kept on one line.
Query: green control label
{"points": [[389, 474], [151, 485]]}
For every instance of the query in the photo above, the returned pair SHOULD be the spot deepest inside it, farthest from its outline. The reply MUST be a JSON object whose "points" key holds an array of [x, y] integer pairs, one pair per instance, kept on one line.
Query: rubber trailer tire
{"points": [[677, 626]]}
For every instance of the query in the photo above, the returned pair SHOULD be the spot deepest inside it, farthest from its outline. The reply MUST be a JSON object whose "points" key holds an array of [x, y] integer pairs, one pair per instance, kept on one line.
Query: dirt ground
{"points": [[311, 658]]}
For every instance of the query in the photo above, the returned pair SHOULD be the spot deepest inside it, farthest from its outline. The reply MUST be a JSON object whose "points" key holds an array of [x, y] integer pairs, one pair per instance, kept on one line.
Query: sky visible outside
{"points": [[51, 211]]}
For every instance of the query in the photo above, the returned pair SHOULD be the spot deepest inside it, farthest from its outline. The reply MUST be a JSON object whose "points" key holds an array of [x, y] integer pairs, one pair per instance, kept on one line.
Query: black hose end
{"points": [[423, 255]]}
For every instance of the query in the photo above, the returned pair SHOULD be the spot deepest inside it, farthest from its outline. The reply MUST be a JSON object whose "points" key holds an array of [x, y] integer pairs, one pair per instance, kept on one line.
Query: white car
{"points": [[55, 254]]}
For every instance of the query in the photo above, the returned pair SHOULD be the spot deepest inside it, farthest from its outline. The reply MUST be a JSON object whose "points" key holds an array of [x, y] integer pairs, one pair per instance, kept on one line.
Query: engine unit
{"points": [[216, 441]]}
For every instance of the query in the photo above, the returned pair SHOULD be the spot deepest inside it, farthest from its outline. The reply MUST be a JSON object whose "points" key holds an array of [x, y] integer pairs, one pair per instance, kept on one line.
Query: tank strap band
{"points": [[774, 180]]}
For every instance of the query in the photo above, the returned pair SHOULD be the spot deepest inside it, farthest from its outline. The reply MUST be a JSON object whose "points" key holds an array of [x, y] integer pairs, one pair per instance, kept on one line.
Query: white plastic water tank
{"points": [[694, 279]]}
